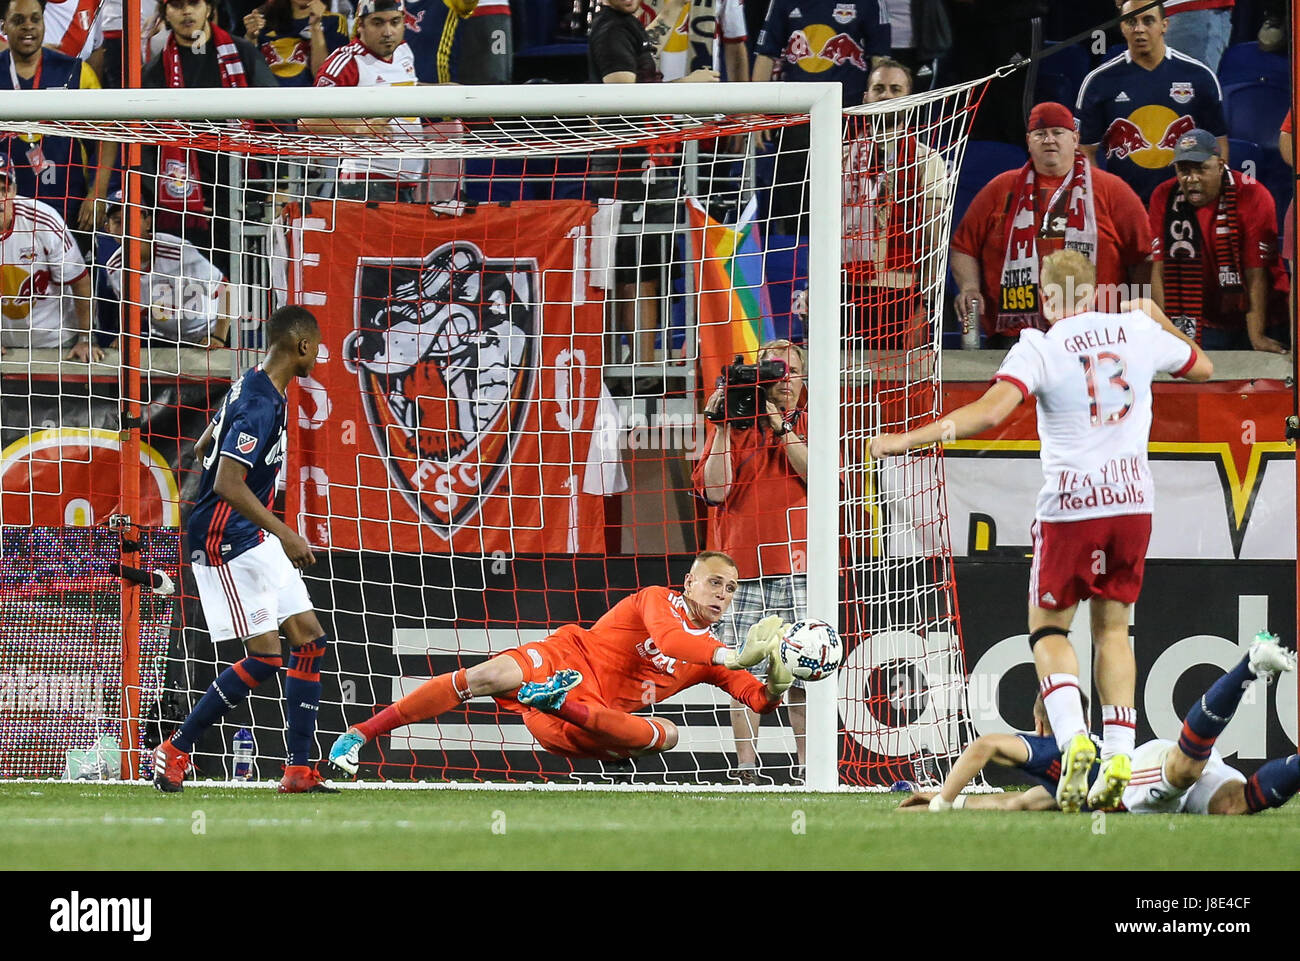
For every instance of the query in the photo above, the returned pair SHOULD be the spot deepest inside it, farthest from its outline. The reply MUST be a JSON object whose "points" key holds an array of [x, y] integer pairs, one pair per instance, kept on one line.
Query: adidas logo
{"points": [[795, 12], [1048, 598], [1122, 98]]}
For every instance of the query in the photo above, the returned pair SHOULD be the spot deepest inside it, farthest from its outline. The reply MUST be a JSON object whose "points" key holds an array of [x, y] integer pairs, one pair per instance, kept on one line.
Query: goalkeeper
{"points": [[579, 688]]}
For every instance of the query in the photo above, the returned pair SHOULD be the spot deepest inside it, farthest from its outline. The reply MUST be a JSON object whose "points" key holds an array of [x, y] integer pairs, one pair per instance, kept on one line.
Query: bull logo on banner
{"points": [[446, 351]]}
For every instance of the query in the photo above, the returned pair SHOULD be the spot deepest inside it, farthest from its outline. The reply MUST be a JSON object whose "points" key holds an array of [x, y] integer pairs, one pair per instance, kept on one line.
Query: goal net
{"points": [[527, 298]]}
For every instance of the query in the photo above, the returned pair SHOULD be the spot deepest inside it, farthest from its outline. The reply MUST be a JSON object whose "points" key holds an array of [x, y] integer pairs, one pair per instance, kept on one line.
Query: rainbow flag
{"points": [[733, 310]]}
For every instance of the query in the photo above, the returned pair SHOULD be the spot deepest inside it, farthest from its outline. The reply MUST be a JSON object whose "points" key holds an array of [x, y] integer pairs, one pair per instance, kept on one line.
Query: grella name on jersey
{"points": [[1095, 338]]}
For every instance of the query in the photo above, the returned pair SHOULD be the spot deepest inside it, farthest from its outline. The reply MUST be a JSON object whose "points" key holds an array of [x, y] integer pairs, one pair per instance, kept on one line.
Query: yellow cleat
{"points": [[1076, 762], [1108, 790]]}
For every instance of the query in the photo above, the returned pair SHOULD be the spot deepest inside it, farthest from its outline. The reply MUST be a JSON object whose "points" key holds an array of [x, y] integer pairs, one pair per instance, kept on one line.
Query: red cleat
{"points": [[301, 779], [169, 766]]}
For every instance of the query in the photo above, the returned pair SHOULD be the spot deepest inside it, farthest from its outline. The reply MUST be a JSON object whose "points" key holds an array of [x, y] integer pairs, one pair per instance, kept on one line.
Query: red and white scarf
{"points": [[228, 62], [1072, 202], [882, 209], [180, 185]]}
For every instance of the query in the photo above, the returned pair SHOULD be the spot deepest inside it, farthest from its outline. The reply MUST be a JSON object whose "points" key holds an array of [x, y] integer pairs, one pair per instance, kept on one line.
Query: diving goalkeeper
{"points": [[579, 688]]}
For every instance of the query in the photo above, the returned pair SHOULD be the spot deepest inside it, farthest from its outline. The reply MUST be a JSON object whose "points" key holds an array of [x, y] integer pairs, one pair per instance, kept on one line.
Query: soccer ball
{"points": [[811, 649]]}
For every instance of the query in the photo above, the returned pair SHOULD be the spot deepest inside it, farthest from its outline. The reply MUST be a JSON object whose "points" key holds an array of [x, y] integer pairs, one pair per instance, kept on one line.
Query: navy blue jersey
{"points": [[1137, 115], [1044, 764], [250, 428], [431, 30], [826, 40]]}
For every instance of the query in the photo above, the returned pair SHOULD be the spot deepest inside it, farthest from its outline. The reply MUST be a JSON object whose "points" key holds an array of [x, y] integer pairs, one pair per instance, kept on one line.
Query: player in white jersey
{"points": [[38, 257], [187, 296], [377, 58], [1091, 373]]}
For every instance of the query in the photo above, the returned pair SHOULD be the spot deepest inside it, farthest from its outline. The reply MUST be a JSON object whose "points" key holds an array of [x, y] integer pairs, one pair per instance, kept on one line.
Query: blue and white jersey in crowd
{"points": [[250, 427], [1136, 115]]}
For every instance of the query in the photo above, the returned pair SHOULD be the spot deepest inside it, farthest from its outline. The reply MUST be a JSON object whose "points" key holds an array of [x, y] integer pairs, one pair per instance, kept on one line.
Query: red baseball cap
{"points": [[1051, 114]]}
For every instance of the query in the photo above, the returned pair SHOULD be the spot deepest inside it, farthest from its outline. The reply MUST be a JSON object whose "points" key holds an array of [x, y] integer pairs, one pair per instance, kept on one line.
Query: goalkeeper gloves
{"points": [[759, 643], [779, 677]]}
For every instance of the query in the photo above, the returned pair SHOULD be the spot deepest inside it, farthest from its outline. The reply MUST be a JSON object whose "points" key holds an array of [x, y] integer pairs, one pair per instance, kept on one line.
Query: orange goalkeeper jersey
{"points": [[645, 650]]}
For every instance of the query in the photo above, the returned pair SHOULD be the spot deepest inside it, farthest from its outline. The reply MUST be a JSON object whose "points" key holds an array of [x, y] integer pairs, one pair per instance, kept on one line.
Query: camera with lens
{"points": [[745, 392]]}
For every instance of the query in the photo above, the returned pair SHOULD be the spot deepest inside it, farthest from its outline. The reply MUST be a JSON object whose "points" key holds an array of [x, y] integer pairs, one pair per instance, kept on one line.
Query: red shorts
{"points": [[1077, 560]]}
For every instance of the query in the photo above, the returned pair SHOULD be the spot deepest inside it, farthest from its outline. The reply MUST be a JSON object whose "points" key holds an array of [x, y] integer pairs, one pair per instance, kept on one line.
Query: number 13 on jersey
{"points": [[1091, 366]]}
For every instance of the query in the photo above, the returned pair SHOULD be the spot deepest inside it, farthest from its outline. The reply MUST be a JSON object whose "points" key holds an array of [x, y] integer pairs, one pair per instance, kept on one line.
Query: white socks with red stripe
{"points": [[1064, 707], [1118, 730]]}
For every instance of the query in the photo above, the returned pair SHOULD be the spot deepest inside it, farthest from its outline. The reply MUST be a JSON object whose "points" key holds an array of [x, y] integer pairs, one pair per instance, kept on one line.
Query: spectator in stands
{"points": [[754, 477], [39, 259], [1199, 28], [698, 40], [621, 50], [920, 34], [1216, 272], [191, 194], [74, 28], [1133, 108], [461, 41], [295, 37], [51, 169], [895, 187], [187, 299], [820, 41], [434, 31], [1057, 200], [198, 53], [378, 57]]}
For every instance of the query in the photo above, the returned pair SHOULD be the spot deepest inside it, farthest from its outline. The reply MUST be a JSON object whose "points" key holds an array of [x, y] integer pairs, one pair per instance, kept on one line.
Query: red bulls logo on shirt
{"points": [[1146, 136], [818, 48]]}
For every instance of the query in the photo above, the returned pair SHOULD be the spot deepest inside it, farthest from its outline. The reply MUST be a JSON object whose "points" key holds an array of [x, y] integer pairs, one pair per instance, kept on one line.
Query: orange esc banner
{"points": [[453, 406]]}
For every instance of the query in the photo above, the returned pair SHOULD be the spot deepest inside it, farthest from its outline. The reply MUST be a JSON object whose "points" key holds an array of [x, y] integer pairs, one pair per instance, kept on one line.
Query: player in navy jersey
{"points": [[247, 581], [1187, 777], [1035, 755]]}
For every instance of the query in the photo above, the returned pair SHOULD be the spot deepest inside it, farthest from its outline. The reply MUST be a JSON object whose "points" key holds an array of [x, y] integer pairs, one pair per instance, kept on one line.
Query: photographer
{"points": [[753, 475]]}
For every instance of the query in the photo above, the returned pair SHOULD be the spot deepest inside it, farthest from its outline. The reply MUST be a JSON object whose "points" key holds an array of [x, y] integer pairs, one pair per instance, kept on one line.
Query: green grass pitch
{"points": [[87, 826]]}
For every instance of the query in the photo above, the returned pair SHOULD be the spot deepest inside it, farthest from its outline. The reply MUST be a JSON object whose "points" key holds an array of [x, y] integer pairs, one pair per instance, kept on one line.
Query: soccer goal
{"points": [[527, 295]]}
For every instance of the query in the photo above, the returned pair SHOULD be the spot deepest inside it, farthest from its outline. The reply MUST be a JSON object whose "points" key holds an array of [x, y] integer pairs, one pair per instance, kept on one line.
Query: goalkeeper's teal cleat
{"points": [[548, 695], [346, 752], [1076, 762]]}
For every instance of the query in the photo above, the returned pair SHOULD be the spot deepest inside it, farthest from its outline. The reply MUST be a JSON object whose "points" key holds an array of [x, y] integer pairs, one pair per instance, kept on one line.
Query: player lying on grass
{"points": [[1091, 373], [578, 688], [1168, 778]]}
